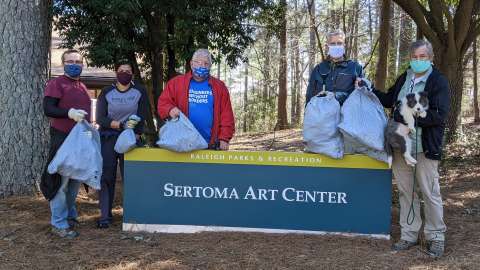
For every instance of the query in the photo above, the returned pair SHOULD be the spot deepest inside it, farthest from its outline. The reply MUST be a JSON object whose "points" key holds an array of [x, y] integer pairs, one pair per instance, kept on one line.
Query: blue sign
{"points": [[255, 191]]}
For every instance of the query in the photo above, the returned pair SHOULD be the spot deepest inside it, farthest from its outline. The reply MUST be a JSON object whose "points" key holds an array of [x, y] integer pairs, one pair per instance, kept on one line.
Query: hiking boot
{"points": [[73, 222], [436, 248], [64, 233], [403, 245]]}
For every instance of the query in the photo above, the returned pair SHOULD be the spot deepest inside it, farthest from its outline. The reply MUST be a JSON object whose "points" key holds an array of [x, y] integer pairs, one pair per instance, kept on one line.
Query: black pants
{"points": [[50, 183], [109, 175]]}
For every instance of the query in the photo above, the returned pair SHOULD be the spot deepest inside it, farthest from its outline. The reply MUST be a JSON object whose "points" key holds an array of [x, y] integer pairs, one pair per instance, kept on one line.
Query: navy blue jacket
{"points": [[433, 126], [338, 77]]}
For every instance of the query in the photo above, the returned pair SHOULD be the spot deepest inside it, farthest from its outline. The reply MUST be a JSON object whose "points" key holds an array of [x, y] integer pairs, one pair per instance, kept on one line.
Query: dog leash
{"points": [[412, 208]]}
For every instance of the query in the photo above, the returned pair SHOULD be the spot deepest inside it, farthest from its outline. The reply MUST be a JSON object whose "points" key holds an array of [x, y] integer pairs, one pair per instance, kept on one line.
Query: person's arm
{"points": [[227, 120], [102, 110], [142, 111], [388, 99], [166, 101], [313, 86], [51, 109], [358, 70], [438, 107]]}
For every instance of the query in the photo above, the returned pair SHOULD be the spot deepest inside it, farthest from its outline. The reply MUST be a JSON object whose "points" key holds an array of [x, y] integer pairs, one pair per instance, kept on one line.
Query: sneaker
{"points": [[64, 233], [403, 245], [436, 248], [73, 222]]}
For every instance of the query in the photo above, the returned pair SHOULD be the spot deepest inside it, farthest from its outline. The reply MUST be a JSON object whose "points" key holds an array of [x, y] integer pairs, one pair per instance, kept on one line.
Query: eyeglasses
{"points": [[73, 62]]}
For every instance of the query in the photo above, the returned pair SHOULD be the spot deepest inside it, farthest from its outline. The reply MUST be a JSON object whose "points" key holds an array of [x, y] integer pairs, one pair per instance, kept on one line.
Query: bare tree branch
{"points": [[414, 9], [371, 55]]}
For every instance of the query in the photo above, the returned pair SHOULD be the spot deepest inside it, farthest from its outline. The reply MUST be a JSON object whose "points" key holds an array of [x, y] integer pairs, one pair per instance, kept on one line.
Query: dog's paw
{"points": [[423, 114]]}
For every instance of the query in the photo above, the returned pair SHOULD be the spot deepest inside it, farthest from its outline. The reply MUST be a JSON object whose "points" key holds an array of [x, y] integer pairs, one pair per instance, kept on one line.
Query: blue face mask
{"points": [[420, 66], [72, 70], [201, 72]]}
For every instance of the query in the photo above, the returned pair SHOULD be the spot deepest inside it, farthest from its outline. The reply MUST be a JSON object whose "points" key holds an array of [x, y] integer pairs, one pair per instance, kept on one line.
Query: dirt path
{"points": [[26, 243]]}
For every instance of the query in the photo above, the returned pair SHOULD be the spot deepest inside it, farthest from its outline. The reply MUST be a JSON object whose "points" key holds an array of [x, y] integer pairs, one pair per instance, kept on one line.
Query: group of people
{"points": [[205, 100]]}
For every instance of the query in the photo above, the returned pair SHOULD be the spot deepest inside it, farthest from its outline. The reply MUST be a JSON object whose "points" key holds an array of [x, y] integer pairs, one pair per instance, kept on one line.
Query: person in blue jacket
{"points": [[336, 74]]}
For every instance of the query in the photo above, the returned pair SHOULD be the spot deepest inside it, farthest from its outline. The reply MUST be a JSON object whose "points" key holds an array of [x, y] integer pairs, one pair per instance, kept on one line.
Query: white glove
{"points": [[76, 115]]}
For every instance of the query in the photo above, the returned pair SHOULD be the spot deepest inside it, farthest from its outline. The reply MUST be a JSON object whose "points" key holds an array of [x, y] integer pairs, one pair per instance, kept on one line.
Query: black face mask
{"points": [[124, 78]]}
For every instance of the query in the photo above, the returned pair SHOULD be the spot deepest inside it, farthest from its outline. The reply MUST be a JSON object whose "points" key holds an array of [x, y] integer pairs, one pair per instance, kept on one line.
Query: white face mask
{"points": [[336, 51]]}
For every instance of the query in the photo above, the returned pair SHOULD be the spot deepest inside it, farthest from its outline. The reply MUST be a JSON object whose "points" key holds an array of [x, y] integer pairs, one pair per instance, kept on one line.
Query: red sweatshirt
{"points": [[175, 94]]}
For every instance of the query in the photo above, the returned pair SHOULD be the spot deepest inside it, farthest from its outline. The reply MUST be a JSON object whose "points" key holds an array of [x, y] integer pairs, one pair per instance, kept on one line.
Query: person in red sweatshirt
{"points": [[203, 99]]}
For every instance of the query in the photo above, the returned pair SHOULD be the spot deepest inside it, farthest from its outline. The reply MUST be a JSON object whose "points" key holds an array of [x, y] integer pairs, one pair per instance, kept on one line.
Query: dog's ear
{"points": [[423, 99], [411, 100]]}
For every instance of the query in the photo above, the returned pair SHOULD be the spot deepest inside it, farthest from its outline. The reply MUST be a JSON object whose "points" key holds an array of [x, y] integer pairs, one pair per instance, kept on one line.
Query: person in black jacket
{"points": [[115, 105], [427, 146]]}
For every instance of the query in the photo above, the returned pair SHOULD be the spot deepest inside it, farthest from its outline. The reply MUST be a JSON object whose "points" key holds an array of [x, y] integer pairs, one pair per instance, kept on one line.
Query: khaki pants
{"points": [[427, 183]]}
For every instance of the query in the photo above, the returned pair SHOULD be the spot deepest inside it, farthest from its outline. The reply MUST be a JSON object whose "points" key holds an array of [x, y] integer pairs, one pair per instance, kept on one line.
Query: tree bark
{"points": [[381, 75], [245, 99], [25, 31], [476, 109], [282, 121], [312, 38], [172, 63], [405, 38]]}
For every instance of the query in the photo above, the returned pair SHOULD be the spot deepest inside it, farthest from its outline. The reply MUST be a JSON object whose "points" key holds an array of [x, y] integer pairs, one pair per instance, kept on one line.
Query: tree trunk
{"points": [[476, 109], [298, 86], [245, 99], [170, 20], [370, 23], [405, 38], [392, 44], [293, 47], [381, 75], [282, 121], [219, 67], [25, 31], [355, 30], [449, 63], [312, 38]]}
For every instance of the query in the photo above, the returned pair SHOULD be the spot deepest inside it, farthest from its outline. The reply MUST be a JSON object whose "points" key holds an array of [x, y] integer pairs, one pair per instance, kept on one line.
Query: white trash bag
{"points": [[354, 147], [79, 157], [320, 126], [179, 135], [364, 119], [127, 139]]}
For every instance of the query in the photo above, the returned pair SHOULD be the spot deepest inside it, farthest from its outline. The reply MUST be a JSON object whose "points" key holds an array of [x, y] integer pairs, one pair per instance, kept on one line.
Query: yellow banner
{"points": [[254, 158]]}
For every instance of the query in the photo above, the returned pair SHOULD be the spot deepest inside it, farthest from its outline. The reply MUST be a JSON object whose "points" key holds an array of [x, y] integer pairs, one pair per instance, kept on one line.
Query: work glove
{"points": [[132, 122], [76, 115], [364, 82]]}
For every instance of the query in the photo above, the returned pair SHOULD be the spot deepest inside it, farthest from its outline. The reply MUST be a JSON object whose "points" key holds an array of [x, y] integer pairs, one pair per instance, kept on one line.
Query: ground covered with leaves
{"points": [[26, 241]]}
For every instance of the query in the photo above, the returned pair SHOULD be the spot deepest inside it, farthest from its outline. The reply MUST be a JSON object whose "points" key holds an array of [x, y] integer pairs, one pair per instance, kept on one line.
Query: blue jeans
{"points": [[62, 205]]}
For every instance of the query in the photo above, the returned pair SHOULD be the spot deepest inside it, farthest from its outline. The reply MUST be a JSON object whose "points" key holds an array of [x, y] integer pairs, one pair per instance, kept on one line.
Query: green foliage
{"points": [[108, 30]]}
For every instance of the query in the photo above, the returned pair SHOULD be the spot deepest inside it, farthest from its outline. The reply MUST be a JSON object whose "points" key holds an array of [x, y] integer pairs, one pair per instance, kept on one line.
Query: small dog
{"points": [[397, 134]]}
